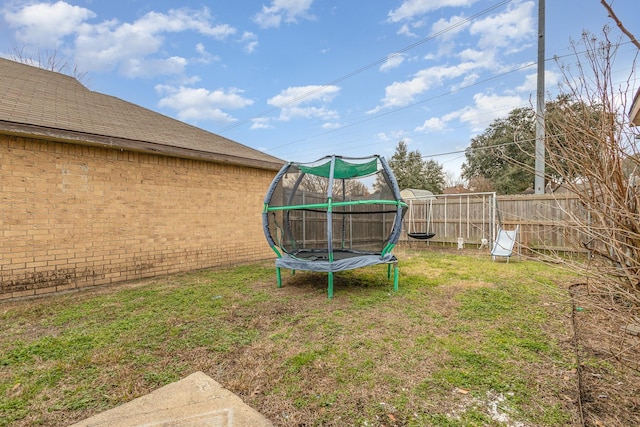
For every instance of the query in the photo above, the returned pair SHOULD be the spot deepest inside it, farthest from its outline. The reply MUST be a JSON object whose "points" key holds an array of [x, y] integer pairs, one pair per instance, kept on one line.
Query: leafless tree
{"points": [[49, 60], [480, 184], [593, 149], [597, 157], [341, 188]]}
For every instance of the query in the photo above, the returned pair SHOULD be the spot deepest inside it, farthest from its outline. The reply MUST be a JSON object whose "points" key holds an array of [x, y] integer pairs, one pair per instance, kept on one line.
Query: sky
{"points": [[301, 79]]}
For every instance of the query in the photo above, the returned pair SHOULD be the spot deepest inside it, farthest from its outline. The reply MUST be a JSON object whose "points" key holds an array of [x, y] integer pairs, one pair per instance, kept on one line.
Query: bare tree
{"points": [[597, 157], [319, 186], [619, 23], [479, 184], [49, 60], [593, 149]]}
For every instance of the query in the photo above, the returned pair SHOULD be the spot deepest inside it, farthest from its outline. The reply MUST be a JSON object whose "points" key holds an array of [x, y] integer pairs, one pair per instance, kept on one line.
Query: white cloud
{"points": [[468, 80], [260, 123], [113, 44], [178, 20], [507, 28], [288, 11], [399, 94], [133, 67], [438, 124], [250, 41], [195, 104], [530, 84], [410, 9], [189, 80], [486, 108], [134, 48], [432, 124], [393, 136], [478, 56], [448, 29], [494, 35], [393, 61], [46, 24], [294, 102], [332, 125], [204, 56], [405, 30]]}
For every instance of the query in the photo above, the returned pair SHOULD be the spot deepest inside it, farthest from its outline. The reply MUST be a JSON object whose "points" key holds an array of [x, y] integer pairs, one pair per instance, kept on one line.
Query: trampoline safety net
{"points": [[334, 214]]}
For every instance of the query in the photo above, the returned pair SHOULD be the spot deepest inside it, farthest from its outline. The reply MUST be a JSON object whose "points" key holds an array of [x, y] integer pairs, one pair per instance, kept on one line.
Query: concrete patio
{"points": [[194, 401]]}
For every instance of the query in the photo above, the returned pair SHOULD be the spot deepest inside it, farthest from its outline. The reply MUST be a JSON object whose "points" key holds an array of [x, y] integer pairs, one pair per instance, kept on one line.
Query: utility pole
{"points": [[540, 161]]}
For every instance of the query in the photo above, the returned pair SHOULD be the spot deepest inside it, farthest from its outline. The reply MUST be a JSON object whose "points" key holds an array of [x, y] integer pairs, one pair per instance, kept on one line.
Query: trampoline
{"points": [[334, 214]]}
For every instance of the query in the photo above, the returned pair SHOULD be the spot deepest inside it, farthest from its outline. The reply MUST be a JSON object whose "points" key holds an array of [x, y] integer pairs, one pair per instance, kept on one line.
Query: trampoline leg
{"points": [[279, 276], [330, 289], [388, 271], [396, 270]]}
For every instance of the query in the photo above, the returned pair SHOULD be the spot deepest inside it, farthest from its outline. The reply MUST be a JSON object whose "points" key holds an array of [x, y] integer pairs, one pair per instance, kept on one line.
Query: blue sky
{"points": [[300, 79]]}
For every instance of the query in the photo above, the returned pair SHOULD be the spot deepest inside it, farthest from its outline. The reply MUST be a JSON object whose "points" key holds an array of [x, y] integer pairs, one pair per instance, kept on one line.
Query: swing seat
{"points": [[421, 236]]}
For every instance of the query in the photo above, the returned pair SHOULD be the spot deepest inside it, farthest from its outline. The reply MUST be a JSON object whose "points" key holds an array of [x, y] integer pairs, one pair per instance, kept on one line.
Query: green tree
{"points": [[502, 154], [411, 171], [434, 176]]}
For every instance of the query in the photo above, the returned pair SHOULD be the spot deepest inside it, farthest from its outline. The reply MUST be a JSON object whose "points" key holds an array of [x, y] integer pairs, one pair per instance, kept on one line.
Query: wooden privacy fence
{"points": [[452, 216], [553, 222], [361, 226], [546, 222]]}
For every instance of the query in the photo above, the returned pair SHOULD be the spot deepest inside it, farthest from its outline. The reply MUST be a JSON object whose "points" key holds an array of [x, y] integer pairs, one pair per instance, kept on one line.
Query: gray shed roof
{"points": [[412, 193], [44, 104]]}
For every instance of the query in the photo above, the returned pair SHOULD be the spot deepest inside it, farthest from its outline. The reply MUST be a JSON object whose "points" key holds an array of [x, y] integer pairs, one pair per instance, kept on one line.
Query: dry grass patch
{"points": [[464, 342]]}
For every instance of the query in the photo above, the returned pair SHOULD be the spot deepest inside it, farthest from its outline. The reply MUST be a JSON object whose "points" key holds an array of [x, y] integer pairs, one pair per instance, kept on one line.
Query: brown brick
{"points": [[123, 216], [25, 293]]}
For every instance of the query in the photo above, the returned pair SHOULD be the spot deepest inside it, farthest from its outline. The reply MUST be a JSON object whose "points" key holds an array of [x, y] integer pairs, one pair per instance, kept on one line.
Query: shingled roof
{"points": [[44, 104]]}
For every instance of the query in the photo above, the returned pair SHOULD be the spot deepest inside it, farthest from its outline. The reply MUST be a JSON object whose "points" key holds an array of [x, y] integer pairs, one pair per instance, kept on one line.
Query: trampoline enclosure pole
{"points": [[396, 271], [330, 286]]}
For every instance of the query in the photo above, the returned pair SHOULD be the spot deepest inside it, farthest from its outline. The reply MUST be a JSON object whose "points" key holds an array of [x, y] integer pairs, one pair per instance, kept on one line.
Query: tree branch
{"points": [[613, 16]]}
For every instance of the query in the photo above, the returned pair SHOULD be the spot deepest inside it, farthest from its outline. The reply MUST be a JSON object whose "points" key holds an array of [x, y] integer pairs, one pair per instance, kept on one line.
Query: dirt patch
{"points": [[609, 362]]}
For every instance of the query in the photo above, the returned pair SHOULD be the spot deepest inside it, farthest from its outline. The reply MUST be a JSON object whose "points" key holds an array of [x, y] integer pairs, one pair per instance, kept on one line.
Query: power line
{"points": [[489, 147], [422, 101], [386, 113], [366, 67]]}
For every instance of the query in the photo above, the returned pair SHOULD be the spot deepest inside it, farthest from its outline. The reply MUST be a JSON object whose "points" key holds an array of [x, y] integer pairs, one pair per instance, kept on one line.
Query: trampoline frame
{"points": [[329, 259]]}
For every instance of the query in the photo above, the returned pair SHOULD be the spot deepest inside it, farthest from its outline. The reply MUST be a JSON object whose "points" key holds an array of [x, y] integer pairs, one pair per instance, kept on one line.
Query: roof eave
{"points": [[81, 138], [634, 112]]}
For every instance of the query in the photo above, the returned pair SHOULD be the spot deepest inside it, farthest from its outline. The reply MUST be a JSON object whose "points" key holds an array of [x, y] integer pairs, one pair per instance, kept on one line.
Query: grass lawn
{"points": [[464, 342]]}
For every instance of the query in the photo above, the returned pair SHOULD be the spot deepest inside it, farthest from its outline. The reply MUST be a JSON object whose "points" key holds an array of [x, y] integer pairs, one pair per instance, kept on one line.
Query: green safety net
{"points": [[342, 169], [308, 230]]}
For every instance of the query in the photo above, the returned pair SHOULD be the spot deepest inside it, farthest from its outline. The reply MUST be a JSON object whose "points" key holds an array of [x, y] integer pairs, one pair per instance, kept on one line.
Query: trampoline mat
{"points": [[318, 260]]}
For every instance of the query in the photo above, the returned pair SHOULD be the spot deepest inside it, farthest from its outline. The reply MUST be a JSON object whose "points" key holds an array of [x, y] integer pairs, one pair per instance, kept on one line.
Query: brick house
{"points": [[95, 190]]}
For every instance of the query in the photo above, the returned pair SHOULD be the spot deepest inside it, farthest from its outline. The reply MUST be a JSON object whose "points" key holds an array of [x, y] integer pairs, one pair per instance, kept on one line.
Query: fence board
{"points": [[547, 222]]}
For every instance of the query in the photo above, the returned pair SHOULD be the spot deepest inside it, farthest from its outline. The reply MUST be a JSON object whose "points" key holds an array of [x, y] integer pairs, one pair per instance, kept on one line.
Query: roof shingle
{"points": [[45, 104]]}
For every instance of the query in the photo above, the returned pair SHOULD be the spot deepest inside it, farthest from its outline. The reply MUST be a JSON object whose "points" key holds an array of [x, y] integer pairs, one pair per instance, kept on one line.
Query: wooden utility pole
{"points": [[540, 148]]}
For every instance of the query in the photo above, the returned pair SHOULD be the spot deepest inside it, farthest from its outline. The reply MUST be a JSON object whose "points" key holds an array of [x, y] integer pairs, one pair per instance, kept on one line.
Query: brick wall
{"points": [[75, 216]]}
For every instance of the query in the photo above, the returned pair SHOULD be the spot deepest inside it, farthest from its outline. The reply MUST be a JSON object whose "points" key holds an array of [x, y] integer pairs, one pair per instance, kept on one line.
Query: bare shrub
{"points": [[592, 151], [592, 148], [49, 60]]}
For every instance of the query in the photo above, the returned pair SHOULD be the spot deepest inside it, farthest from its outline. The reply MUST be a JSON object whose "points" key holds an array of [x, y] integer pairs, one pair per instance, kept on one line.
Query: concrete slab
{"points": [[194, 401]]}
